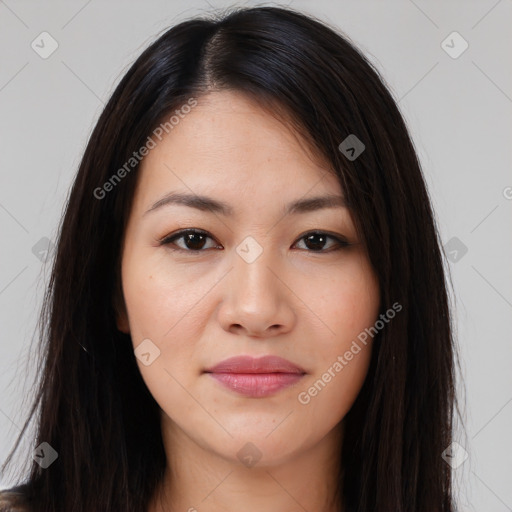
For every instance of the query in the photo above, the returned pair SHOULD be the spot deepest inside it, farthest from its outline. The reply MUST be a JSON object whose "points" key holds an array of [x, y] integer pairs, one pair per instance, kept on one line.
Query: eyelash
{"points": [[168, 240]]}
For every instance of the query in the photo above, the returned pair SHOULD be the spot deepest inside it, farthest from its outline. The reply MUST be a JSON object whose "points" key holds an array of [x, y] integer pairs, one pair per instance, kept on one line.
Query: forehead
{"points": [[229, 147]]}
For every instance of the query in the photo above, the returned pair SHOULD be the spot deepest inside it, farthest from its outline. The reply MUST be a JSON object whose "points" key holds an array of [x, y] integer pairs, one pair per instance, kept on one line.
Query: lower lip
{"points": [[257, 385]]}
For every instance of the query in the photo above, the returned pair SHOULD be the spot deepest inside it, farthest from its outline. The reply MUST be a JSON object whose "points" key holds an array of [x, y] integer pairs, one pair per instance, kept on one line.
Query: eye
{"points": [[316, 241], [194, 241]]}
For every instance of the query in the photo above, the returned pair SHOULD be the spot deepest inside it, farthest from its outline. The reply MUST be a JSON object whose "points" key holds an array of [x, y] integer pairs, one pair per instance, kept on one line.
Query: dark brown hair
{"points": [[92, 405]]}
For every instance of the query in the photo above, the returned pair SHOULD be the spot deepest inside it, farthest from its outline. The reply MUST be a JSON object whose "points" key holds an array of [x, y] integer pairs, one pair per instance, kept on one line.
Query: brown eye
{"points": [[193, 240], [317, 240]]}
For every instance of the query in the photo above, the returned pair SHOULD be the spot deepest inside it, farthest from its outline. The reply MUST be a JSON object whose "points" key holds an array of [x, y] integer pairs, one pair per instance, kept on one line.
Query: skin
{"points": [[293, 301]]}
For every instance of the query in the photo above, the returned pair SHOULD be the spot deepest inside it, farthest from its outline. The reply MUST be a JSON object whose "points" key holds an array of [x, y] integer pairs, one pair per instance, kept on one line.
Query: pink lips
{"points": [[256, 377]]}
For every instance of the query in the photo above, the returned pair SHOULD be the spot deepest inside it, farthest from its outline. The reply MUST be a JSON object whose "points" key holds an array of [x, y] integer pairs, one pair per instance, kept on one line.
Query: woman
{"points": [[247, 308]]}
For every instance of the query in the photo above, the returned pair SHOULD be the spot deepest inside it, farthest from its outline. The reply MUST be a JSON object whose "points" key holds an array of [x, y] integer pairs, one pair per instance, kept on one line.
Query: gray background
{"points": [[458, 111]]}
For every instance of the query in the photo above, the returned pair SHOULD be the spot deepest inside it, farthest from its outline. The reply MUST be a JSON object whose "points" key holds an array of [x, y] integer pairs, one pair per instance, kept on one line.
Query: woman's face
{"points": [[258, 284]]}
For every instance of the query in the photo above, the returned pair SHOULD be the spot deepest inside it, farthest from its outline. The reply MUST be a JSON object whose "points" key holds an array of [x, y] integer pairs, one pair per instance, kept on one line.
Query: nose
{"points": [[257, 301]]}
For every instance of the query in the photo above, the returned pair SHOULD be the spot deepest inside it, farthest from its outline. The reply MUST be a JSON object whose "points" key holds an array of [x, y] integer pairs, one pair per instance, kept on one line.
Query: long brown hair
{"points": [[91, 403]]}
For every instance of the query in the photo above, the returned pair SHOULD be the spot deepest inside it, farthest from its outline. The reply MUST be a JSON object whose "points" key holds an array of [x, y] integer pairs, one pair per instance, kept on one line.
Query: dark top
{"points": [[15, 499]]}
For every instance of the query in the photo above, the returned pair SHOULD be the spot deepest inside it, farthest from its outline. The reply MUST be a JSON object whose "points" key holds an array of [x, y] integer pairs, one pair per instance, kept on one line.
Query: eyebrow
{"points": [[208, 204]]}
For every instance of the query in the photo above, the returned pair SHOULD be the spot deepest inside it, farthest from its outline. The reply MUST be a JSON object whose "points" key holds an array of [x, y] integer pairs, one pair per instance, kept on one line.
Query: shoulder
{"points": [[15, 499]]}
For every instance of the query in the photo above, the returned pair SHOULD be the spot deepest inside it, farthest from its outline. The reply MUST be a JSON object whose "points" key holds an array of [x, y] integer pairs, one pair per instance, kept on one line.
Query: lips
{"points": [[256, 377], [248, 364]]}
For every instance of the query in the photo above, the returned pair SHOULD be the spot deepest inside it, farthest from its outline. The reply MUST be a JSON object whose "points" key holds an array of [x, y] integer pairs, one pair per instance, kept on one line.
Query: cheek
{"points": [[161, 308], [354, 309], [349, 305], [157, 296], [166, 307], [326, 399], [347, 301]]}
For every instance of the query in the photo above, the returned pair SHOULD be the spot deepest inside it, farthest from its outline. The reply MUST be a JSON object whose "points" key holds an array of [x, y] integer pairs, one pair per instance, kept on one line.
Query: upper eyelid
{"points": [[173, 236]]}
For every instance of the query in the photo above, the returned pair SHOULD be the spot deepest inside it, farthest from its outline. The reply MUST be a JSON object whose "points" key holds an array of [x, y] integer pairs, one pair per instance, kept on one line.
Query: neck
{"points": [[197, 479]]}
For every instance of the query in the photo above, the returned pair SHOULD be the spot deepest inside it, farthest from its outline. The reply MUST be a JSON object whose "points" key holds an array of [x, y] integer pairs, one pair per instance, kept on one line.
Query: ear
{"points": [[122, 322]]}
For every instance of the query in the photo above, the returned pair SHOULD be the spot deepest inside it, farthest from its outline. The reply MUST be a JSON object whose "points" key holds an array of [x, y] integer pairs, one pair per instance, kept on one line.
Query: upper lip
{"points": [[248, 364]]}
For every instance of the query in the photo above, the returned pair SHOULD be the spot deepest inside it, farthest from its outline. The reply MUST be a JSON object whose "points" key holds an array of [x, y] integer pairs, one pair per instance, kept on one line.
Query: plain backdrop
{"points": [[457, 102]]}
